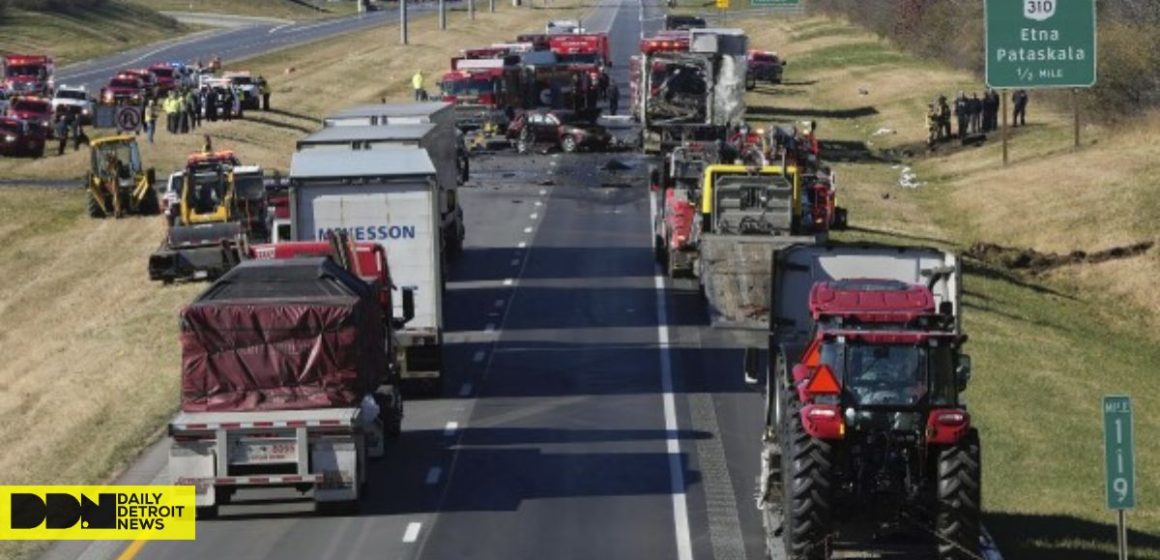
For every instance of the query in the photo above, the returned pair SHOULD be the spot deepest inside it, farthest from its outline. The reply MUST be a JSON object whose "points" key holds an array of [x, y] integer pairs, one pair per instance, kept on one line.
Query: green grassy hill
{"points": [[284, 9], [83, 31]]}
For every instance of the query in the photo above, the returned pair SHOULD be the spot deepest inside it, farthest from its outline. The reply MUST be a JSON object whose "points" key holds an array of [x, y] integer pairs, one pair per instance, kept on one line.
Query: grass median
{"points": [[78, 33], [1047, 341], [91, 368]]}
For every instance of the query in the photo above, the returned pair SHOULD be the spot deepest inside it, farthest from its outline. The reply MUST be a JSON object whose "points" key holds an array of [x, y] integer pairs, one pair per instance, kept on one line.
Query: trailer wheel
{"points": [[808, 470], [959, 499]]}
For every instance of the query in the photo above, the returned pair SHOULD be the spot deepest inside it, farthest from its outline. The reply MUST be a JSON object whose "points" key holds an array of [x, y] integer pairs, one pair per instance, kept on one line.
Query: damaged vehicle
{"points": [[566, 130]]}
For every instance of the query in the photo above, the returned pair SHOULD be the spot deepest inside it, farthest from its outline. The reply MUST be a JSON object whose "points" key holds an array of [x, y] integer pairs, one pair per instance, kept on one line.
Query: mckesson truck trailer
{"points": [[379, 114], [389, 197], [441, 145]]}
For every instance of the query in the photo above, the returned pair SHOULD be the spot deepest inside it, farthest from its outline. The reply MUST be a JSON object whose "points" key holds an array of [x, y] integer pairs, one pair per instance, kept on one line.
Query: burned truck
{"points": [[695, 94]]}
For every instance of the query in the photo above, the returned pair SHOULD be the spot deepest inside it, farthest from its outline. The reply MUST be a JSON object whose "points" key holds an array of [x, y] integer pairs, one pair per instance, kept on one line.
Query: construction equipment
{"points": [[116, 182], [865, 429], [222, 208]]}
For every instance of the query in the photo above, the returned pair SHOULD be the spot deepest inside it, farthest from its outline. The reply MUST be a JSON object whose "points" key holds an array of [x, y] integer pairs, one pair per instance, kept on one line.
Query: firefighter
{"points": [[169, 105], [933, 125], [61, 126], [417, 85], [613, 98], [150, 119]]}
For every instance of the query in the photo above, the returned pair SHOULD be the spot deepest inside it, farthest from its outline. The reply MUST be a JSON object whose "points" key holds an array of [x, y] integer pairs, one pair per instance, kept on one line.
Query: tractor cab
{"points": [[208, 189], [750, 200], [116, 180]]}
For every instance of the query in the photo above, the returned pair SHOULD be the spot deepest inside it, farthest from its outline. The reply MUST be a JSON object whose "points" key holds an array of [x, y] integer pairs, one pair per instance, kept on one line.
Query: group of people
{"points": [[974, 114], [184, 110], [66, 124]]}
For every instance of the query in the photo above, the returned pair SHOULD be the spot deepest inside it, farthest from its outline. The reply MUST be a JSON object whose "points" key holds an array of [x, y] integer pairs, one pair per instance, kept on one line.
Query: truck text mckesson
{"points": [[371, 232]]}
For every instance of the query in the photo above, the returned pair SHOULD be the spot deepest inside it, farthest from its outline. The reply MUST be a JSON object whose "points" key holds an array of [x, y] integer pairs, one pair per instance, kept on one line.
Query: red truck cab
{"points": [[27, 74], [166, 77], [582, 48], [35, 110], [20, 138], [123, 89]]}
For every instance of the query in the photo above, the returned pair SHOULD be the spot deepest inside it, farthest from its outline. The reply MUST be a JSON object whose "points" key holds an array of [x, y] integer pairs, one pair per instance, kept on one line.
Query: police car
{"points": [[75, 99]]}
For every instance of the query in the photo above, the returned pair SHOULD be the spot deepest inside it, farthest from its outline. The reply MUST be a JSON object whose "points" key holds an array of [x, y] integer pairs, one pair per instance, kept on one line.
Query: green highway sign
{"points": [[1040, 43], [1118, 452], [774, 2]]}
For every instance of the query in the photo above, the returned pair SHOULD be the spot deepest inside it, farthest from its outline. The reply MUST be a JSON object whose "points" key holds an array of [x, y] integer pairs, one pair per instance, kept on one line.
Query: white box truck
{"points": [[380, 114], [389, 197]]}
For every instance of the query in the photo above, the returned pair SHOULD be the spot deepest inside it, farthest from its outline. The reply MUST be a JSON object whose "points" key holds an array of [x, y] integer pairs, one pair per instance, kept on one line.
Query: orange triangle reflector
{"points": [[823, 382]]}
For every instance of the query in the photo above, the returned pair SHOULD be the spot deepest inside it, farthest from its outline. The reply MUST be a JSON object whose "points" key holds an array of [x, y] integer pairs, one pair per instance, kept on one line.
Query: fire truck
{"points": [[586, 48], [482, 89], [28, 74], [666, 42]]}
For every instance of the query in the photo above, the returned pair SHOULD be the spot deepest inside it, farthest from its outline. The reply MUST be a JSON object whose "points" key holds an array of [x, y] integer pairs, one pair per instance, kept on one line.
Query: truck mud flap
{"points": [[192, 263], [423, 374]]}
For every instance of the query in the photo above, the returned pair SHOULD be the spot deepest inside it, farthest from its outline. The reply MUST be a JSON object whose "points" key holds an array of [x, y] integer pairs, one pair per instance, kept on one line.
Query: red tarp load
{"points": [[281, 335]]}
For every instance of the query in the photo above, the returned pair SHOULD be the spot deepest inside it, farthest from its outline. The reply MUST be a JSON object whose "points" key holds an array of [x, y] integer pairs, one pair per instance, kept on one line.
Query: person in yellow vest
{"points": [[150, 119], [417, 84], [170, 108]]}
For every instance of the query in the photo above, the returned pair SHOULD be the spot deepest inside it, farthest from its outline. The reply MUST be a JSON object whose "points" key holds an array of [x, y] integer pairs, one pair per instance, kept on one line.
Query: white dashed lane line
{"points": [[433, 476], [412, 532], [478, 357], [465, 390], [450, 428]]}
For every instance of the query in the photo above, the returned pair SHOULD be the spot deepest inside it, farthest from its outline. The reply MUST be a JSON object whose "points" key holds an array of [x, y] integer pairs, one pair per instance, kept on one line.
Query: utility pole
{"points": [[442, 15], [471, 9], [403, 22], [491, 6]]}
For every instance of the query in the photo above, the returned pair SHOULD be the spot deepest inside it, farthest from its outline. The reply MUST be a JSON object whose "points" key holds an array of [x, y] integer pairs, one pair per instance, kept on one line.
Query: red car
{"points": [[123, 89], [556, 128], [35, 110], [166, 78], [21, 138]]}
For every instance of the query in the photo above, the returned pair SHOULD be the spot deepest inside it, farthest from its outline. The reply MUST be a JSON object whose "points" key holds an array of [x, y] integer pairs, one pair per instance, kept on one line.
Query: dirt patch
{"points": [[1038, 262]]}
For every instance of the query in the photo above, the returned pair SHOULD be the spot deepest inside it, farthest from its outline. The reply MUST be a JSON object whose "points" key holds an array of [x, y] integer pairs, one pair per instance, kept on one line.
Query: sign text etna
{"points": [[1041, 43]]}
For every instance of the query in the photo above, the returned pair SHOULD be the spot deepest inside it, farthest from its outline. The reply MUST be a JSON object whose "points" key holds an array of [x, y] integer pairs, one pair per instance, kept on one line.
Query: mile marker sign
{"points": [[1040, 43], [1119, 462]]}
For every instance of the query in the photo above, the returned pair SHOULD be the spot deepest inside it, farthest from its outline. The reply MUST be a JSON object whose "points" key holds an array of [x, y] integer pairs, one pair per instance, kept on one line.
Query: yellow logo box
{"points": [[97, 513]]}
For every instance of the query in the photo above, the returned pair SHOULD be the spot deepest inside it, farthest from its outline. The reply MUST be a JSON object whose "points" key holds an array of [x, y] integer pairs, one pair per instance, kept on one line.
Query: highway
{"points": [[231, 43], [588, 411]]}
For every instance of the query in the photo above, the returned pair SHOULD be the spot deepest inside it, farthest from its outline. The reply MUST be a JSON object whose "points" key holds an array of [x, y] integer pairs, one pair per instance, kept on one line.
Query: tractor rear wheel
{"points": [[808, 471], [149, 205], [93, 206], [959, 499]]}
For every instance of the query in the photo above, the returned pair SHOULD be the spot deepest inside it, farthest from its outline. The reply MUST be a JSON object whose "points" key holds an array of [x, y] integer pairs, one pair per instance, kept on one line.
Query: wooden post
{"points": [[1075, 107], [1004, 110]]}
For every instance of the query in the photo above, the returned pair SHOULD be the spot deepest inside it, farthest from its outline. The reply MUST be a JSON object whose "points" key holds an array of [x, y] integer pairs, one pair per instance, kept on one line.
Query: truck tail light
{"points": [[823, 421], [945, 426]]}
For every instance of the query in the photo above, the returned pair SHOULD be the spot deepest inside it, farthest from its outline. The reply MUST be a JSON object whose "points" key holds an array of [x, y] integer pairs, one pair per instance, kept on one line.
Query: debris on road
{"points": [[884, 132], [616, 165], [908, 179]]}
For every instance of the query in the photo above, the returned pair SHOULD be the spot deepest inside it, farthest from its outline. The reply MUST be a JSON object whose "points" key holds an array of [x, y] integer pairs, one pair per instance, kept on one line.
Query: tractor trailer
{"points": [[287, 380], [865, 428], [390, 197]]}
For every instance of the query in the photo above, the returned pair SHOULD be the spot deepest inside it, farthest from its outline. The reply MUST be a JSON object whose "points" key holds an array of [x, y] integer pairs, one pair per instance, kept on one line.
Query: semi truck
{"points": [[390, 197], [442, 146], [286, 381], [691, 95], [482, 90], [865, 428]]}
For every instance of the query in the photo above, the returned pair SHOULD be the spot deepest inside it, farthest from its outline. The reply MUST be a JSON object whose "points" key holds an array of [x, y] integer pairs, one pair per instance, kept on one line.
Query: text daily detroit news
{"points": [[97, 513]]}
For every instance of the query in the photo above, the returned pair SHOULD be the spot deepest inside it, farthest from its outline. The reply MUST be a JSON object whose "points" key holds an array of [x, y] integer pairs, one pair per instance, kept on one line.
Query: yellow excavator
{"points": [[116, 182]]}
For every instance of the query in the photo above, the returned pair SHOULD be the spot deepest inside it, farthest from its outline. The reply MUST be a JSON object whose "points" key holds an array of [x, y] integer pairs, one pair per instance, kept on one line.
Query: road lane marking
{"points": [[538, 203], [543, 191], [280, 27], [489, 328], [433, 476], [450, 428], [523, 244], [527, 230], [478, 357], [131, 551], [534, 216], [508, 281], [412, 532], [465, 390], [672, 444], [515, 262], [499, 303]]}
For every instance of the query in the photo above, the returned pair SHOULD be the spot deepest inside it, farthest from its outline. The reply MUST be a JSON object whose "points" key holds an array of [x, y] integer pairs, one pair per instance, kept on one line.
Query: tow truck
{"points": [[29, 74]]}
